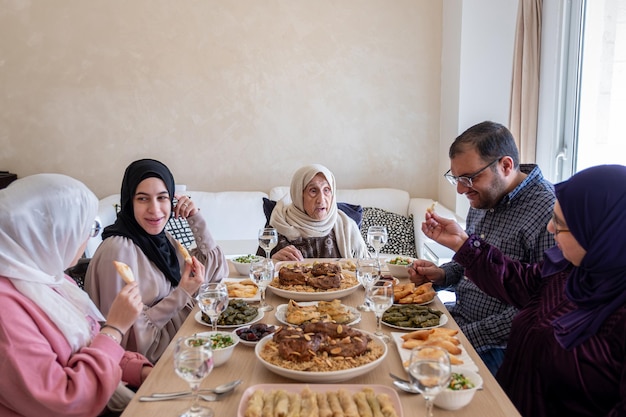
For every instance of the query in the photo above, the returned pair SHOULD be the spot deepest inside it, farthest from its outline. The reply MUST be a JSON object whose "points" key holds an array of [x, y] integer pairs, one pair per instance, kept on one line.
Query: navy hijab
{"points": [[156, 247], [594, 207]]}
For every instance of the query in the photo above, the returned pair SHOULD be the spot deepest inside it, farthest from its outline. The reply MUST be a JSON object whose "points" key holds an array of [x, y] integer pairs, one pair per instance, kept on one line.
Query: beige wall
{"points": [[231, 95]]}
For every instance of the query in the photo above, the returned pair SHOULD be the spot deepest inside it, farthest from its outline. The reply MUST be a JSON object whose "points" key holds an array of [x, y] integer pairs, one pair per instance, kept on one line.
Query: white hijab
{"points": [[291, 221], [44, 221]]}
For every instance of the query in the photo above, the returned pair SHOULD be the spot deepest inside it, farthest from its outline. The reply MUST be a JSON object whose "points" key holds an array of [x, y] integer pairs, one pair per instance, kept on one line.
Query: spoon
{"points": [[405, 386], [220, 389], [205, 397]]}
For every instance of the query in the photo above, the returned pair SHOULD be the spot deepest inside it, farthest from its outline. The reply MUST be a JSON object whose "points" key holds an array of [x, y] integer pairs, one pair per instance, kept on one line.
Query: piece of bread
{"points": [[183, 251], [125, 272], [431, 209]]}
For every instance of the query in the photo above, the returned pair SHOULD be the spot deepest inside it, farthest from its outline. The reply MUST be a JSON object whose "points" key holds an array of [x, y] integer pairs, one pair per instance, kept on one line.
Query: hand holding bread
{"points": [[125, 272], [184, 252]]}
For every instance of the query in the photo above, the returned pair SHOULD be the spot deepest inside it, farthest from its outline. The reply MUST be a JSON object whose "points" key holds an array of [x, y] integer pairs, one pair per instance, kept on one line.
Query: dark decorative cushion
{"points": [[401, 240], [179, 228], [353, 211]]}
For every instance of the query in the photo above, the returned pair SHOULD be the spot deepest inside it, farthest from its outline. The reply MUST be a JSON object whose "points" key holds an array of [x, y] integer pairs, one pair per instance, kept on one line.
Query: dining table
{"points": [[490, 401]]}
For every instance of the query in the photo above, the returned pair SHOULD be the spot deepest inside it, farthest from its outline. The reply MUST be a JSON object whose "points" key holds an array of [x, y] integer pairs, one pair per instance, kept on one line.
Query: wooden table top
{"points": [[491, 401]]}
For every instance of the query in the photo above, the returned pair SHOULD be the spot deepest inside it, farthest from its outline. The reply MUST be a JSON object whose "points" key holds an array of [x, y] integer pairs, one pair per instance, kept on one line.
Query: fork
{"points": [[205, 397]]}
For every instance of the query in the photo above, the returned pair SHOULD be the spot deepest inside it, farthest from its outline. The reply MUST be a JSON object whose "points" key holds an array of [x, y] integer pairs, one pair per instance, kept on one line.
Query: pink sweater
{"points": [[41, 377]]}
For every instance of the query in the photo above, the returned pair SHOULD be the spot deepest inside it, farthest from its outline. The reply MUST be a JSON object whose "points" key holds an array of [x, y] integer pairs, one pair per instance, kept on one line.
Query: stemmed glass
{"points": [[193, 361], [430, 372], [380, 298], [367, 272], [262, 273], [213, 300], [268, 239], [377, 238]]}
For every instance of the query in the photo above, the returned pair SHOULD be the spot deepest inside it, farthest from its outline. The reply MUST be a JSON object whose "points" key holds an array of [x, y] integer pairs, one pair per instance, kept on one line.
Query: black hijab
{"points": [[156, 247]]}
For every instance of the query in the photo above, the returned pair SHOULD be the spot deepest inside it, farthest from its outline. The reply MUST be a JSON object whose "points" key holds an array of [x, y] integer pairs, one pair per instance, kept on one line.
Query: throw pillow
{"points": [[179, 228], [355, 212], [401, 235]]}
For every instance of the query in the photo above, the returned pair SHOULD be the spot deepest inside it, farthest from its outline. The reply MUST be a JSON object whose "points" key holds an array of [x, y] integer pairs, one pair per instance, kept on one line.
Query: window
{"points": [[583, 86]]}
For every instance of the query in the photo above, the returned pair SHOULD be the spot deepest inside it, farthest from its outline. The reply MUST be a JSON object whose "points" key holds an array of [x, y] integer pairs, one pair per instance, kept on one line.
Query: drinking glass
{"points": [[268, 239], [377, 238], [213, 300], [367, 272], [193, 361], [430, 371], [380, 298], [262, 273]]}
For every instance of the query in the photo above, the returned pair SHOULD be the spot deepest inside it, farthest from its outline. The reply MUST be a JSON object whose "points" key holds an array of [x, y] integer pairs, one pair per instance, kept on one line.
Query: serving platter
{"points": [[323, 377], [319, 388], [405, 354], [443, 319], [281, 312], [258, 317]]}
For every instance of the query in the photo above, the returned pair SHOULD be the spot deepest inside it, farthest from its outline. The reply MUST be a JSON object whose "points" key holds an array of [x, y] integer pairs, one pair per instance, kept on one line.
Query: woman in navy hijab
{"points": [[567, 351]]}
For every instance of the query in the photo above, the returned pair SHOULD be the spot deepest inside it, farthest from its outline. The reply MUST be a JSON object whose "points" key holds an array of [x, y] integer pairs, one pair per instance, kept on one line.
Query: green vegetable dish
{"points": [[246, 259], [400, 261], [221, 341], [460, 382], [237, 313], [411, 316]]}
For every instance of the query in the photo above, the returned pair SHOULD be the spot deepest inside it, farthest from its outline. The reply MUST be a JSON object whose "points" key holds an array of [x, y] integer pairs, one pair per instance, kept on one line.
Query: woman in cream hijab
{"points": [[311, 226], [56, 358]]}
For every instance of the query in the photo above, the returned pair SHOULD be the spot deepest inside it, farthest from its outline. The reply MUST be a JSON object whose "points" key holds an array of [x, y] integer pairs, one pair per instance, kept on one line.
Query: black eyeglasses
{"points": [[555, 221], [95, 229], [467, 180]]}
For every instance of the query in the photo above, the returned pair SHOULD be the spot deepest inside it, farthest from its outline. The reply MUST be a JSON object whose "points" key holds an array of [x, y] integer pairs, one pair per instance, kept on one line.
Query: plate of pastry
{"points": [[296, 313]]}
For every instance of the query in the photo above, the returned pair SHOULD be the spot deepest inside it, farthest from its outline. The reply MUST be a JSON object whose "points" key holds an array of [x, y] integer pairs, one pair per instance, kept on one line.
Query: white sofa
{"points": [[234, 217]]}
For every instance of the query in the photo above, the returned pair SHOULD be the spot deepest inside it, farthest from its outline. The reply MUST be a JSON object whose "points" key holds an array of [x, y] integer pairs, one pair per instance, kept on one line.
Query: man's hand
{"points": [[444, 231], [421, 271]]}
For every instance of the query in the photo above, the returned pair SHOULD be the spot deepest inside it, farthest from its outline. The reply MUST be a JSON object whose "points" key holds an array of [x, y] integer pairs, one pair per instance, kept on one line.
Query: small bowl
{"points": [[221, 355], [243, 268], [453, 400], [399, 271]]}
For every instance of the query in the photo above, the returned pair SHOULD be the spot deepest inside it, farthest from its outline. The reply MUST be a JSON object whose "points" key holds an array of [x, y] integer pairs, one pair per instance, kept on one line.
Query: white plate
{"points": [[248, 342], [258, 317], [327, 295], [297, 388], [443, 319], [322, 377], [405, 354], [281, 312]]}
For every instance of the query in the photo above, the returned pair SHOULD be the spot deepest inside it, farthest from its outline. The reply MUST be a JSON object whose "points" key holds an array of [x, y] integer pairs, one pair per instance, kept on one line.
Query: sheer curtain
{"points": [[525, 88]]}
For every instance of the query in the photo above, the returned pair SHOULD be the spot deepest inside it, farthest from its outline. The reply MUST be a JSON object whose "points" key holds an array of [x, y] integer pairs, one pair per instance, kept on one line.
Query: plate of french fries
{"points": [[442, 337]]}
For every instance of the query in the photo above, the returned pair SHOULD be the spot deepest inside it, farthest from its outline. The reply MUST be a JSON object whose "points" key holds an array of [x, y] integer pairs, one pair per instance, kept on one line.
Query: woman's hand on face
{"points": [[126, 307], [288, 253], [193, 276], [185, 207], [444, 231]]}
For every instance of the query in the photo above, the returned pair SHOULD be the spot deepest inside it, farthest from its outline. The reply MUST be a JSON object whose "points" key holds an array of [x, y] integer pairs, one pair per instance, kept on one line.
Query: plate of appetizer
{"points": [[413, 317], [294, 313]]}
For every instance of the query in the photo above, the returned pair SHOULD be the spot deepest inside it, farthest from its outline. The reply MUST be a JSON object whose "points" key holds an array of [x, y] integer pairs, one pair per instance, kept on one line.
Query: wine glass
{"points": [[380, 298], [377, 238], [213, 300], [193, 361], [268, 239], [262, 273], [367, 272], [430, 372]]}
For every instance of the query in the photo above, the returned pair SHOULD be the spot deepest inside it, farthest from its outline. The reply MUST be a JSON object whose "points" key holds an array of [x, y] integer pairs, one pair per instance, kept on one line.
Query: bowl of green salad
{"points": [[242, 263], [223, 344], [398, 266]]}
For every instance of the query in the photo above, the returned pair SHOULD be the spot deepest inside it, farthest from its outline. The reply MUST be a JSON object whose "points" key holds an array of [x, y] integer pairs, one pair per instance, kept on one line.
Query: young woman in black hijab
{"points": [[138, 238]]}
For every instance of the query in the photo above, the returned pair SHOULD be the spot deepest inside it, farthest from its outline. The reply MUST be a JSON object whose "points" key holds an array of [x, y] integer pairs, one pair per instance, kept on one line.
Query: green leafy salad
{"points": [[246, 259]]}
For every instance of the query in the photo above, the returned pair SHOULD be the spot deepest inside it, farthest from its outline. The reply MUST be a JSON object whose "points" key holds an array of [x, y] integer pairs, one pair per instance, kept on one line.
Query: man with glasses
{"points": [[510, 207]]}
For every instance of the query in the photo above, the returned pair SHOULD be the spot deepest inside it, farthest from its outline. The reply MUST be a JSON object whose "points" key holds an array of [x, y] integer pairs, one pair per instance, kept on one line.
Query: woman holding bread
{"points": [[311, 225], [57, 360], [567, 350], [138, 239]]}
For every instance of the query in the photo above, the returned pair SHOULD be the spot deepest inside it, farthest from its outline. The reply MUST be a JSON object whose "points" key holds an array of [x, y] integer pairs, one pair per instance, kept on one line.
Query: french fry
{"points": [[125, 272], [183, 251]]}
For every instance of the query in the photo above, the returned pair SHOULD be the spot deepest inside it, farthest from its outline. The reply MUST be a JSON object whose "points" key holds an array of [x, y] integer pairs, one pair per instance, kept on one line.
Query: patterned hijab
{"points": [[291, 221], [44, 221], [156, 247], [594, 206]]}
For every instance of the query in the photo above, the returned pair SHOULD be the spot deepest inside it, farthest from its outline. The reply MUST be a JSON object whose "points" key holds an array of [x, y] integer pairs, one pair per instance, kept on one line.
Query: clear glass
{"points": [[377, 238], [193, 361], [380, 298], [368, 273], [268, 239], [430, 371], [213, 300], [262, 273]]}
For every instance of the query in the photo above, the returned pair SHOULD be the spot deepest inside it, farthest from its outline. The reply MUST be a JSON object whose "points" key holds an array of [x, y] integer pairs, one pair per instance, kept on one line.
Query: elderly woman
{"points": [[312, 226], [57, 360], [138, 238], [567, 352]]}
